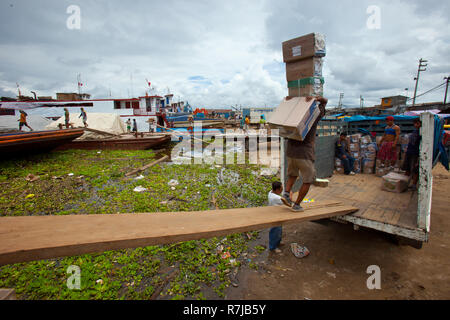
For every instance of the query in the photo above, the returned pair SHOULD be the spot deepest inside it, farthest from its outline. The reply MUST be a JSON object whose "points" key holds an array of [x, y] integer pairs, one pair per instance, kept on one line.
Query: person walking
{"points": [[84, 115], [301, 158], [23, 120]]}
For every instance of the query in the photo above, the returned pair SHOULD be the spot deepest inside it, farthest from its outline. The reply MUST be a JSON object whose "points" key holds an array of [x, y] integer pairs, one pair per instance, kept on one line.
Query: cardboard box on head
{"points": [[294, 117], [310, 67], [310, 45]]}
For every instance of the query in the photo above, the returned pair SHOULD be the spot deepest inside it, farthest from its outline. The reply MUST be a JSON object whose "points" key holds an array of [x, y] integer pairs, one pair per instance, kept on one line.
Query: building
{"points": [[72, 96], [395, 101], [256, 113]]}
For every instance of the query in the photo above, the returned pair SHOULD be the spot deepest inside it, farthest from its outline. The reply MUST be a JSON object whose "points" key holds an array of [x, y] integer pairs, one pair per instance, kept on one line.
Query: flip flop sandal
{"points": [[299, 251]]}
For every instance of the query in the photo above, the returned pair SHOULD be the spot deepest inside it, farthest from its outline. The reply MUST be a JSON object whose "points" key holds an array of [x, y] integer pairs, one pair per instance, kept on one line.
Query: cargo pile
{"points": [[303, 58], [364, 150]]}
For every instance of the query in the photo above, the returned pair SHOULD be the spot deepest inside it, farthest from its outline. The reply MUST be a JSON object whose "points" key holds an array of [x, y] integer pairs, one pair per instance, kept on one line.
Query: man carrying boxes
{"points": [[300, 158], [298, 115]]}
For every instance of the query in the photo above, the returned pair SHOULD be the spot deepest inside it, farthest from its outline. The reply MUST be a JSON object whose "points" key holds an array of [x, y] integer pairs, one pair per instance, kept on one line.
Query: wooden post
{"points": [[425, 171]]}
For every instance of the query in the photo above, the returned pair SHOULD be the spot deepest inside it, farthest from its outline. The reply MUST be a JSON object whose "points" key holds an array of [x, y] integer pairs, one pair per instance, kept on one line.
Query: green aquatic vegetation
{"points": [[191, 269]]}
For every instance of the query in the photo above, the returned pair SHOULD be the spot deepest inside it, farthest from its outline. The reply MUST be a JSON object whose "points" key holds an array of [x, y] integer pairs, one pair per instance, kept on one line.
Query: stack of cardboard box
{"points": [[295, 116], [355, 150], [339, 166], [368, 154], [303, 58]]}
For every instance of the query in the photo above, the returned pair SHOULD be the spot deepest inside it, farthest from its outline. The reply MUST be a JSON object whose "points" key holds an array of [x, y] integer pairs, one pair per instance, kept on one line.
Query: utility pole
{"points": [[361, 102], [341, 96], [446, 88], [422, 64]]}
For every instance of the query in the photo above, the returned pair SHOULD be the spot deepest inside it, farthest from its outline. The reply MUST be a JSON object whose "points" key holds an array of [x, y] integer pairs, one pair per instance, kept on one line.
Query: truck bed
{"points": [[395, 213]]}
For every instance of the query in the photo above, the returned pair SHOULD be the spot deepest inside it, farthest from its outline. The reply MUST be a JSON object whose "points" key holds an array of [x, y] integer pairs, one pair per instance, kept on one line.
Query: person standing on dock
{"points": [[262, 122], [84, 115], [66, 118], [388, 143], [300, 158], [151, 125], [23, 120], [128, 125], [247, 123], [134, 126]]}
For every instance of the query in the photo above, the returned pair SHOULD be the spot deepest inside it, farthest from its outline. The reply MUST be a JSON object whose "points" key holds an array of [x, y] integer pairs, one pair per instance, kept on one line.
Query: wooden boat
{"points": [[205, 124], [123, 142], [36, 141]]}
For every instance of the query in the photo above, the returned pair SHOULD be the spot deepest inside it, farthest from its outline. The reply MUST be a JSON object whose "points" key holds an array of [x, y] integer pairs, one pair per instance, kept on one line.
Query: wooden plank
{"points": [[146, 166], [8, 294], [43, 237]]}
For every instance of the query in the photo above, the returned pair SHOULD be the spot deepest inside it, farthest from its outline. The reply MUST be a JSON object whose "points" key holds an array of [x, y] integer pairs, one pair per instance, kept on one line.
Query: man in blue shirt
{"points": [[341, 152], [411, 162]]}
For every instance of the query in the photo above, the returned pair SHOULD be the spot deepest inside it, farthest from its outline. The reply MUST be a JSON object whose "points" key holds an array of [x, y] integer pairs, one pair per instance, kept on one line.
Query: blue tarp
{"points": [[439, 152], [383, 118]]}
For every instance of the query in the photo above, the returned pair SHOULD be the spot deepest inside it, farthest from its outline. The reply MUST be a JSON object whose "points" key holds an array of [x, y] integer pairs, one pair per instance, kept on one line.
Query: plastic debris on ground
{"points": [[225, 255], [299, 251], [139, 177], [31, 177], [268, 171], [173, 183], [139, 189]]}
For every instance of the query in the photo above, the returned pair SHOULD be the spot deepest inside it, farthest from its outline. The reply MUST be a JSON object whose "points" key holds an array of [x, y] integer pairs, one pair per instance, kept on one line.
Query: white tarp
{"points": [[11, 123], [108, 122]]}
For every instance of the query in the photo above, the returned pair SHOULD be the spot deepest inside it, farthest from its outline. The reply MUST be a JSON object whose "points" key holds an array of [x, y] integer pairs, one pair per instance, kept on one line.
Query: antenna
{"points": [[18, 89], [341, 96]]}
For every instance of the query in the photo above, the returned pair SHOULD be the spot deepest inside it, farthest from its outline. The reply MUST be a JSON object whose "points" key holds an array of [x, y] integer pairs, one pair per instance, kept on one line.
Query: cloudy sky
{"points": [[221, 53]]}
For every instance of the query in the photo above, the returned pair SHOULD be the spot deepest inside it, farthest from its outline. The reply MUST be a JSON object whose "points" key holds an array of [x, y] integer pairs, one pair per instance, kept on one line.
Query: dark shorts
{"points": [[411, 163]]}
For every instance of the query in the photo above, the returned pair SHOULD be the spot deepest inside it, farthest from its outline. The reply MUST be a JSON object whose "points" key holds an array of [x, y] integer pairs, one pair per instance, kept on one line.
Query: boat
{"points": [[143, 141], [36, 141]]}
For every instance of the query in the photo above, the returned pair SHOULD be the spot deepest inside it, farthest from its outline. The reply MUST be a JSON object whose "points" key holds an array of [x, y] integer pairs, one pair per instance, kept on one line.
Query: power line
{"points": [[433, 89]]}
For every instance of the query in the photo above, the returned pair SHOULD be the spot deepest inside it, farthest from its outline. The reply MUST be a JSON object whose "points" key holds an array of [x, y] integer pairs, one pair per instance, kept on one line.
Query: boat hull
{"points": [[117, 144], [34, 142]]}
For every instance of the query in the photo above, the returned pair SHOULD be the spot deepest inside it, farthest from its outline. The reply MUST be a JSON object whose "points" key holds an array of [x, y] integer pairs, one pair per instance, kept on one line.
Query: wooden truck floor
{"points": [[393, 211]]}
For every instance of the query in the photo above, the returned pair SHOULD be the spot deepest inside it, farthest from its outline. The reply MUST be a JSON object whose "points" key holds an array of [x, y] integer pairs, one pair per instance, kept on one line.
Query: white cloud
{"points": [[234, 46]]}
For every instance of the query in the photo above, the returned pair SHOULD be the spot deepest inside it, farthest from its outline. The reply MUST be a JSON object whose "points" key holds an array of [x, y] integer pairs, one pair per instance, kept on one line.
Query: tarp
{"points": [[383, 118], [434, 111], [439, 152], [11, 123], [108, 122]]}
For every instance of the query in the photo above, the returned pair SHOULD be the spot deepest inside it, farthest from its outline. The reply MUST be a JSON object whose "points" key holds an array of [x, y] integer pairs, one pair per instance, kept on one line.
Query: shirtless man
{"points": [[388, 144]]}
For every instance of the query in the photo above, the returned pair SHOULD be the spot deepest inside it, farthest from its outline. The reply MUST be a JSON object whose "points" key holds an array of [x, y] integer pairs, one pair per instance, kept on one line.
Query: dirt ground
{"points": [[340, 256]]}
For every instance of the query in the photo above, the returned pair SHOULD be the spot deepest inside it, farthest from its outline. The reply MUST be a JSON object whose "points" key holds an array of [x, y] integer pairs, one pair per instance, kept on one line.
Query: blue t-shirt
{"points": [[414, 143]]}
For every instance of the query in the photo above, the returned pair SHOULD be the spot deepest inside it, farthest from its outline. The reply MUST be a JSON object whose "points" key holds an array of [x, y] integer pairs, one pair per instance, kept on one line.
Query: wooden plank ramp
{"points": [[43, 237]]}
